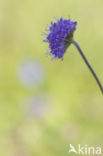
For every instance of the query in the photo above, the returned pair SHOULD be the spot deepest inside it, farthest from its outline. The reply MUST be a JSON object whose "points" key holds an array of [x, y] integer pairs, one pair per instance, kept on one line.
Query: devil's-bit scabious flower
{"points": [[60, 36]]}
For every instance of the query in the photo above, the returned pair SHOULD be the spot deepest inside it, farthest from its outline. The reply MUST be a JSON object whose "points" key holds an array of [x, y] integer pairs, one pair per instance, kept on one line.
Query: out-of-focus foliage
{"points": [[67, 107]]}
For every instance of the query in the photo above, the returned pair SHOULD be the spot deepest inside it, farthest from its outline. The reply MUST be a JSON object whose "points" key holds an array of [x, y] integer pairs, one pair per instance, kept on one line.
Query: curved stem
{"points": [[89, 66]]}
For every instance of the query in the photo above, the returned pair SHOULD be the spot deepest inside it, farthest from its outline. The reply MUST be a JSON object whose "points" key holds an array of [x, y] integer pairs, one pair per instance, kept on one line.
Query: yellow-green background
{"points": [[76, 114]]}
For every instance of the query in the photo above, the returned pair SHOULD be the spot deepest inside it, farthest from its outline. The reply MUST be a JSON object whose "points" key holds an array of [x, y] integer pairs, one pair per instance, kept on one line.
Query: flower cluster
{"points": [[60, 36]]}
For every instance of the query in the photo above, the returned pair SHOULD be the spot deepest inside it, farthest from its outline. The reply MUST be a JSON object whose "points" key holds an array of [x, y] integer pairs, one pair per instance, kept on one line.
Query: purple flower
{"points": [[60, 36]]}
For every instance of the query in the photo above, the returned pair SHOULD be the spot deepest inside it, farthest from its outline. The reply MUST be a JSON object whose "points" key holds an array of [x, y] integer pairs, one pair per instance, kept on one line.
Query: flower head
{"points": [[60, 36]]}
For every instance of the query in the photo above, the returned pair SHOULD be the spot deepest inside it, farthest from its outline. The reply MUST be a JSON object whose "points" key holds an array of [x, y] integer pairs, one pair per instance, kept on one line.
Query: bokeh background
{"points": [[46, 105]]}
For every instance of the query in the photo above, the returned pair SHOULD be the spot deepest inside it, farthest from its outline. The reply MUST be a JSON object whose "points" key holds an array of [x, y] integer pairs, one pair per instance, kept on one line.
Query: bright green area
{"points": [[76, 114]]}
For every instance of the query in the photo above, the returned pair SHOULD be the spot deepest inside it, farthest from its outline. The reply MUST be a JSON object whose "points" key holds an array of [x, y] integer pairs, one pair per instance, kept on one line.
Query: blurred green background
{"points": [[46, 105]]}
